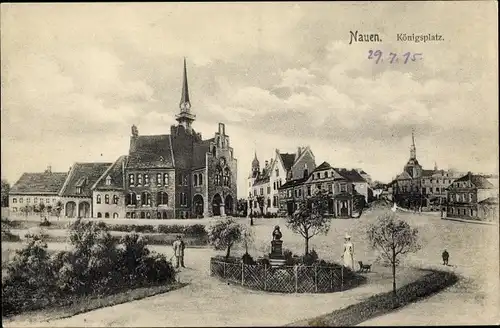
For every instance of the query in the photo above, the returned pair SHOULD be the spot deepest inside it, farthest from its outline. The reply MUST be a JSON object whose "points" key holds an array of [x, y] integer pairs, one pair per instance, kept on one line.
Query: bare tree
{"points": [[393, 238], [310, 218]]}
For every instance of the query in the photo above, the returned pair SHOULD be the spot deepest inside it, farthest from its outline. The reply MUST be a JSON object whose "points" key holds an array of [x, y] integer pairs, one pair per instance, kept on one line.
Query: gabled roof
{"points": [[403, 176], [293, 183], [200, 149], [151, 151], [288, 160], [351, 175], [39, 183], [323, 166], [83, 175], [115, 172], [428, 173], [479, 181], [489, 201]]}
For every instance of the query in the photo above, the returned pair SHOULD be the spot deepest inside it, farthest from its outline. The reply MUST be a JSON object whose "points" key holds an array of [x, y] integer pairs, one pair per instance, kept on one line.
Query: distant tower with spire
{"points": [[185, 117], [412, 167], [413, 149]]}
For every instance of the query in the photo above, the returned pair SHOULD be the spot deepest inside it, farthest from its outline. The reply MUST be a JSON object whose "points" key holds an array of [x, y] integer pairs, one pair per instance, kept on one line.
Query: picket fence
{"points": [[283, 279]]}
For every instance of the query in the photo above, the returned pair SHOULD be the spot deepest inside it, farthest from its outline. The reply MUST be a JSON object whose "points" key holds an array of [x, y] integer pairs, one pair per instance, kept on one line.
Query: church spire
{"points": [[413, 149], [185, 118], [185, 104]]}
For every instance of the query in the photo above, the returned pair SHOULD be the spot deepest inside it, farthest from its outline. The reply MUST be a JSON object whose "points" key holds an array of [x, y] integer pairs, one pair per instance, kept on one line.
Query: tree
{"points": [[358, 202], [393, 238], [310, 218], [58, 208], [260, 202], [224, 234], [5, 193], [41, 208]]}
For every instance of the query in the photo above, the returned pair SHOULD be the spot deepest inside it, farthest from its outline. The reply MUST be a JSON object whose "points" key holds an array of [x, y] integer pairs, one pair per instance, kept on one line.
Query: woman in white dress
{"points": [[348, 254]]}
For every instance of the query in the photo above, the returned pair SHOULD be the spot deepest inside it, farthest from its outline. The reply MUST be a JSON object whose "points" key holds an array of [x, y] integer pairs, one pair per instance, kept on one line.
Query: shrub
{"points": [[263, 261], [247, 259], [195, 230], [289, 259], [309, 258], [162, 228], [45, 223]]}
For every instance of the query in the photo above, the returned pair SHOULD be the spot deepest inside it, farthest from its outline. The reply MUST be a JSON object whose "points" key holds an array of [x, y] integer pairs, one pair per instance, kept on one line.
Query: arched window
{"points": [[146, 199], [200, 179], [115, 215], [106, 215], [162, 198], [165, 179], [131, 199], [158, 179], [99, 215], [106, 199], [139, 179], [196, 179], [98, 199], [115, 199], [227, 177], [131, 180], [218, 176]]}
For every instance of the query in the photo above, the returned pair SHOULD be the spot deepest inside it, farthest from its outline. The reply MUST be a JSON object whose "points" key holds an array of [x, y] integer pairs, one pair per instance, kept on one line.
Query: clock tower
{"points": [[185, 117]]}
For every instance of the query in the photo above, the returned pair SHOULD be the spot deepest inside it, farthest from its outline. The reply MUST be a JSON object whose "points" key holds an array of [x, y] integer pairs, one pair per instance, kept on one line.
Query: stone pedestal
{"points": [[276, 257]]}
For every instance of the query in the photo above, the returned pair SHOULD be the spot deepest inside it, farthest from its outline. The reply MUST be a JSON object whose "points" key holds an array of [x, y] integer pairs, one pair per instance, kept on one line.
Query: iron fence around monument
{"points": [[283, 279]]}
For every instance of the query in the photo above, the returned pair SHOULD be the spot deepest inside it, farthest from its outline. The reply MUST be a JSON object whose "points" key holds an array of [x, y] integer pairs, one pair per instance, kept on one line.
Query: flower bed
{"points": [[320, 277]]}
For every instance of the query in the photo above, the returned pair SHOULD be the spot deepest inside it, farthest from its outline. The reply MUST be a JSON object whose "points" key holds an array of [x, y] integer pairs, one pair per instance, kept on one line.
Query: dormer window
{"points": [[108, 181]]}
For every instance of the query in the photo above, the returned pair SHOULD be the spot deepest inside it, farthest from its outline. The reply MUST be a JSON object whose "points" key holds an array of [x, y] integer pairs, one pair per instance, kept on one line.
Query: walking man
{"points": [[179, 251], [445, 256]]}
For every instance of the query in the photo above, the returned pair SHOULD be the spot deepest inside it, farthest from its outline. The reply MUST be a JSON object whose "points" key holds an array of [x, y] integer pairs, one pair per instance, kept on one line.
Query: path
{"points": [[207, 301]]}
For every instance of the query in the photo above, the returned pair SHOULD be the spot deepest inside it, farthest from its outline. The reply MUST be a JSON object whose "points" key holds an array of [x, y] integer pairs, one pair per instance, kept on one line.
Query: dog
{"points": [[364, 267]]}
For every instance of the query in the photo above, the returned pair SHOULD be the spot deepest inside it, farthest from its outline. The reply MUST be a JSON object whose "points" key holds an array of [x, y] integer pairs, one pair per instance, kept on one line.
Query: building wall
{"points": [[113, 210], [222, 150], [276, 179], [153, 188], [18, 201], [78, 202], [482, 194], [298, 167], [362, 188]]}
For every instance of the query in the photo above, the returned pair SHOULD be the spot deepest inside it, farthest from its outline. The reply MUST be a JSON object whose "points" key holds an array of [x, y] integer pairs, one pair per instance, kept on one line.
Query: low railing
{"points": [[283, 279]]}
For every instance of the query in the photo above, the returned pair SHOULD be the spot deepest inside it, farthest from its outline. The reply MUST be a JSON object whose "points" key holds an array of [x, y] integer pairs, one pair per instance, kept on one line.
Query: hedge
{"points": [[384, 303]]}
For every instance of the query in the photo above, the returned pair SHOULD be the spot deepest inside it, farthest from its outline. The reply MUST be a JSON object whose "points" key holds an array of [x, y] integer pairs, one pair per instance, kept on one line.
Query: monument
{"points": [[276, 257]]}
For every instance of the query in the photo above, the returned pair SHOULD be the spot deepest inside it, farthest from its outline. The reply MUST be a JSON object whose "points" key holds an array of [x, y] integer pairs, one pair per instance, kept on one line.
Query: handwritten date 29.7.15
{"points": [[394, 58]]}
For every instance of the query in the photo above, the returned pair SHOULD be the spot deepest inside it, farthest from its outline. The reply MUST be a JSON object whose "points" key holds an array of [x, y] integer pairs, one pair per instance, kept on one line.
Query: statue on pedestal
{"points": [[276, 244]]}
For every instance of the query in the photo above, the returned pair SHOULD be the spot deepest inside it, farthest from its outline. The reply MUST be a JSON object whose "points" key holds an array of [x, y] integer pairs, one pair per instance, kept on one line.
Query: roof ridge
{"points": [[106, 172]]}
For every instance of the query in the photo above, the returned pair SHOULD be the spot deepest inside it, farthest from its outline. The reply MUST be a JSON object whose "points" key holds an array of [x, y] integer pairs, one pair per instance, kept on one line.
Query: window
{"points": [[277, 172], [318, 186], [78, 190], [195, 180], [98, 199], [115, 199], [28, 200], [289, 193], [274, 185], [275, 201], [106, 215], [165, 179], [20, 200], [227, 177], [318, 175], [146, 179], [183, 199], [296, 193], [158, 179], [99, 214], [162, 198], [14, 200], [330, 187], [131, 179], [300, 192], [106, 199], [218, 176], [200, 179], [139, 180], [108, 180], [268, 190], [249, 194], [437, 189], [131, 199], [146, 199], [255, 192], [308, 190], [326, 174], [186, 180], [269, 202], [343, 187], [261, 191]]}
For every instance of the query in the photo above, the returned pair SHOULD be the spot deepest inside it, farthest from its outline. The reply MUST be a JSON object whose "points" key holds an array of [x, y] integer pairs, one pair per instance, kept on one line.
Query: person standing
{"points": [[445, 256], [179, 251], [348, 255]]}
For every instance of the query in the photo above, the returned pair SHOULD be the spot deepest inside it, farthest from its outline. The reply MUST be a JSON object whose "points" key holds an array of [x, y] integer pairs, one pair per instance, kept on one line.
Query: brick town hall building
{"points": [[176, 175]]}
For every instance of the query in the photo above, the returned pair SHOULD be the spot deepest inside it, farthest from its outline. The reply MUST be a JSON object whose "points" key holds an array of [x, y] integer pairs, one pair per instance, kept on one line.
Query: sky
{"points": [[75, 77]]}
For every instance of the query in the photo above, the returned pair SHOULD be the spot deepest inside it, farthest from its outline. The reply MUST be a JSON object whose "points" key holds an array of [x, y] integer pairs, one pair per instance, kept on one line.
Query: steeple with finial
{"points": [[255, 165], [413, 149], [185, 117]]}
